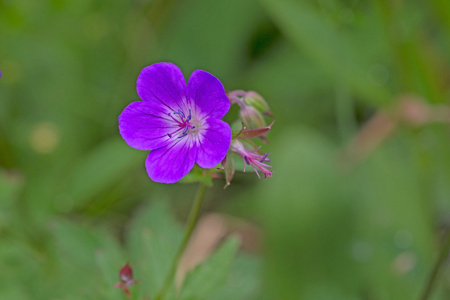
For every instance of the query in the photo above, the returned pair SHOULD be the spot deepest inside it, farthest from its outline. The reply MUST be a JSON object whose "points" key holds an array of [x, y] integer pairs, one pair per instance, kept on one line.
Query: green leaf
{"points": [[198, 174], [309, 229], [84, 250], [100, 169], [10, 185], [334, 231], [244, 280], [21, 269], [110, 264], [393, 222], [153, 239], [327, 46], [224, 26], [209, 276]]}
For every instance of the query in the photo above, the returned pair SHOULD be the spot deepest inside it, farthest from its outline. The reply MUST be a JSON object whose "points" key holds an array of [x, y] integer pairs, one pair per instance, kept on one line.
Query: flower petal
{"points": [[144, 126], [162, 84], [171, 163], [214, 142], [208, 95]]}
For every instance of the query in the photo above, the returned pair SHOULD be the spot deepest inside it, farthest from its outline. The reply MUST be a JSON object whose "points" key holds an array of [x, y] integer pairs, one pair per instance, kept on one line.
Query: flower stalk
{"points": [[191, 222], [437, 267]]}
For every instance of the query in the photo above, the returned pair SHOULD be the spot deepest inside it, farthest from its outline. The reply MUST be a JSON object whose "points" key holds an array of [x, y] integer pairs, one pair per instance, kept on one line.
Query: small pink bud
{"points": [[126, 279], [126, 273]]}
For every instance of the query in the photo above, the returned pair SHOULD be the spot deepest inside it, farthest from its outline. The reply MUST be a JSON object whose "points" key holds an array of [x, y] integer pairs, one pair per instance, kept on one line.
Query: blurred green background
{"points": [[76, 202]]}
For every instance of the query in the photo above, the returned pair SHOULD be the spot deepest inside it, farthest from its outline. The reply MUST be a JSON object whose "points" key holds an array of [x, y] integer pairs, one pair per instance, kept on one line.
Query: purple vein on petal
{"points": [[211, 130], [205, 137], [145, 127], [171, 96], [184, 159], [155, 116], [195, 104], [202, 148], [171, 146], [162, 102], [207, 115], [155, 138], [208, 82], [182, 148], [196, 92]]}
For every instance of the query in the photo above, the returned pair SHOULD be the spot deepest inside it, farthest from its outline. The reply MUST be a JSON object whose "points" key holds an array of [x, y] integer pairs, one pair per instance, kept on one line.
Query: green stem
{"points": [[437, 267], [191, 222]]}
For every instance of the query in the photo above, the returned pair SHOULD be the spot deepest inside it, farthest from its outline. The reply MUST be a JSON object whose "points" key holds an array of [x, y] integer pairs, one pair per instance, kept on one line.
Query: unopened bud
{"points": [[237, 97], [126, 279], [255, 100], [252, 117], [253, 107], [228, 166]]}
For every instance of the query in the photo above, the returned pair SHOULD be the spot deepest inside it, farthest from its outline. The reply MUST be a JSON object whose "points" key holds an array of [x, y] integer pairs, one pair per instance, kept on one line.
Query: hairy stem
{"points": [[438, 266], [191, 222]]}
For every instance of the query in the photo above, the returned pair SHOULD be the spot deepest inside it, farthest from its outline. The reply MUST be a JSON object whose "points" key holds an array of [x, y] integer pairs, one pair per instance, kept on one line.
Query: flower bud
{"points": [[252, 118], [253, 107], [228, 166], [255, 100], [237, 97], [126, 279]]}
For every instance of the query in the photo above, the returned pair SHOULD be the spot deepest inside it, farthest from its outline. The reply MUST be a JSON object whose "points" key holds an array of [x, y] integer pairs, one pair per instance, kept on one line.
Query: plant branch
{"points": [[191, 222], [438, 266]]}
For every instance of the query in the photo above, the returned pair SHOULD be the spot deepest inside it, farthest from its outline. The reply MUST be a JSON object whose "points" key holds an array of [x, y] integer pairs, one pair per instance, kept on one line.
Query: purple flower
{"points": [[179, 123]]}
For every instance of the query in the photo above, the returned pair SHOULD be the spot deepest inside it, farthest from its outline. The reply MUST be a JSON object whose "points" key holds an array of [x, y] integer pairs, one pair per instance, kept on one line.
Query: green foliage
{"points": [[153, 238], [206, 278], [369, 224], [198, 175], [338, 52], [309, 228], [99, 169]]}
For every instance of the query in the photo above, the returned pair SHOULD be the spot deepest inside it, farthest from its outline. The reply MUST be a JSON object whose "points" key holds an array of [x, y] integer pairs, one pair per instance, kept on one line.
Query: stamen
{"points": [[172, 133], [246, 160], [189, 117], [182, 123], [257, 173], [185, 129], [263, 159], [179, 112], [173, 117]]}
